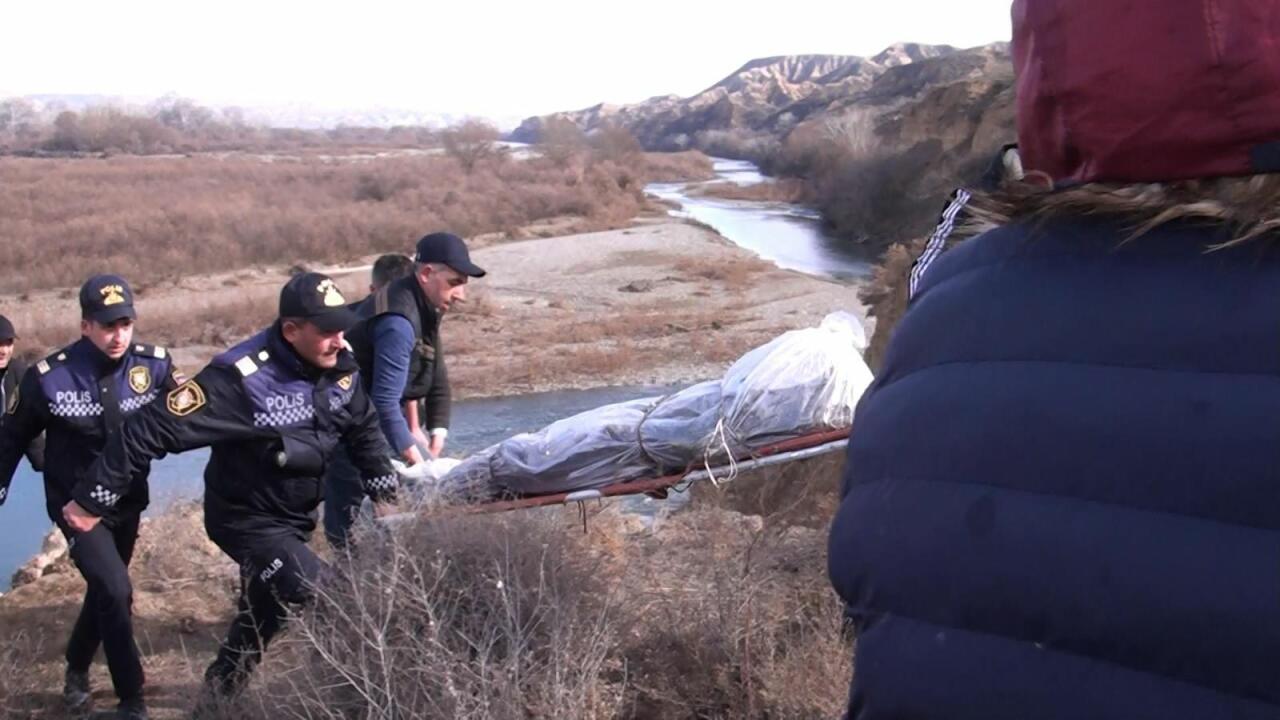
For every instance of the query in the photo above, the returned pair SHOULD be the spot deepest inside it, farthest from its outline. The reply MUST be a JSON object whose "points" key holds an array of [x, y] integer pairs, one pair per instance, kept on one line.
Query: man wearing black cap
{"points": [[272, 408], [80, 397], [398, 348], [11, 371]]}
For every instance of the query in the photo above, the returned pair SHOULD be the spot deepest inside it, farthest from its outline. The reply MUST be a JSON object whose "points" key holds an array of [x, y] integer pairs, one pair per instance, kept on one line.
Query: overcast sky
{"points": [[466, 56]]}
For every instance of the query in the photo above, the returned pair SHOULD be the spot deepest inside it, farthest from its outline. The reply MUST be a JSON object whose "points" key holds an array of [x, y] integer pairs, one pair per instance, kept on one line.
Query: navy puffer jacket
{"points": [[1063, 489]]}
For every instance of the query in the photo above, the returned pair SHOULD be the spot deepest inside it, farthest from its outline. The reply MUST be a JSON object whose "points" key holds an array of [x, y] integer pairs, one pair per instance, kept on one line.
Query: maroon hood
{"points": [[1147, 90]]}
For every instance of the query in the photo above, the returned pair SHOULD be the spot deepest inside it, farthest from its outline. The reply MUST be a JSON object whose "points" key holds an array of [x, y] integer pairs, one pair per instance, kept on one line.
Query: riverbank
{"points": [[657, 303]]}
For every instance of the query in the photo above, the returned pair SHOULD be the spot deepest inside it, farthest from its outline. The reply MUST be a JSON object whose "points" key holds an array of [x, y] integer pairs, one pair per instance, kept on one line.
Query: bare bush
{"points": [[16, 699], [470, 617], [561, 140], [518, 616], [471, 142]]}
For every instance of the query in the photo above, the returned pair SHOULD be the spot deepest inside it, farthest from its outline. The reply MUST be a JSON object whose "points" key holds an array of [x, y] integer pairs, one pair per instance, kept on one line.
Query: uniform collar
{"points": [[96, 358]]}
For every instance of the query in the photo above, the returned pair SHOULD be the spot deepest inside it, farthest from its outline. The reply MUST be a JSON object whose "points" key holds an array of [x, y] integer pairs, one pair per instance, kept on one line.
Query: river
{"points": [[788, 235]]}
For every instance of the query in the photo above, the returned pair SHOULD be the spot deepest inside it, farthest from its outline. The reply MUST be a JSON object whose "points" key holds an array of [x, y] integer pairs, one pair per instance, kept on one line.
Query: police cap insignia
{"points": [[332, 296], [139, 379], [111, 294], [186, 399]]}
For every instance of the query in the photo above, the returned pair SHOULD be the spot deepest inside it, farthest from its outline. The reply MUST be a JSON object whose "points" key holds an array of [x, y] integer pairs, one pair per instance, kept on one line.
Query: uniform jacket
{"points": [[80, 398], [272, 421]]}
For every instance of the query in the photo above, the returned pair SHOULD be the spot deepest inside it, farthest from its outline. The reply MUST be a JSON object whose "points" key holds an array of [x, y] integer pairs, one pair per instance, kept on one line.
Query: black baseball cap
{"points": [[315, 297], [6, 329], [448, 249], [106, 299]]}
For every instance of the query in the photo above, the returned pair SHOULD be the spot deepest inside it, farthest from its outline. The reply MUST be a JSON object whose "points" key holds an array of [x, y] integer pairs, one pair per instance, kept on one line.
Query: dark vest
{"points": [[401, 297]]}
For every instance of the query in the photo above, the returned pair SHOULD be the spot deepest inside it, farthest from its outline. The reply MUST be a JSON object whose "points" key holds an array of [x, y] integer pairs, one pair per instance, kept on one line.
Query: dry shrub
{"points": [[16, 693], [803, 493], [736, 620], [714, 616], [678, 166], [464, 617]]}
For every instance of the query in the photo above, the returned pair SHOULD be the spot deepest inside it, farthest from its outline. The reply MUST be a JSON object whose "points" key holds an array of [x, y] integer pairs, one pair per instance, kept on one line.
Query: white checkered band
{"points": [[378, 484], [341, 399], [138, 402], [104, 496], [280, 418], [75, 410]]}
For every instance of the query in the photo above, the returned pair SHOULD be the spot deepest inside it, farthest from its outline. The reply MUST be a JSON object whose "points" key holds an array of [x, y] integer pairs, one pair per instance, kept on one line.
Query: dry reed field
{"points": [[160, 218]]}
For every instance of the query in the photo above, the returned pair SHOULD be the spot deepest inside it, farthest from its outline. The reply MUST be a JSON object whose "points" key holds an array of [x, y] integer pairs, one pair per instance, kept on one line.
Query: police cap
{"points": [[315, 297], [448, 249], [106, 299]]}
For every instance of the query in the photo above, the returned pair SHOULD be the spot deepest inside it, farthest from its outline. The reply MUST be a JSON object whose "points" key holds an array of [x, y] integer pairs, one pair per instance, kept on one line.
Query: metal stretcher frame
{"points": [[786, 451]]}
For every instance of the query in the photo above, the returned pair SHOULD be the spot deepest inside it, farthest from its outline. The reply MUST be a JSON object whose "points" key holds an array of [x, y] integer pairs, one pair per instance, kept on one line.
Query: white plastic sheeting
{"points": [[800, 383]]}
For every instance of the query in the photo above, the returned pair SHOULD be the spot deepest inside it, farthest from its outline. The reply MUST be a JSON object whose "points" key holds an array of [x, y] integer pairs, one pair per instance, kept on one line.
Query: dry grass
{"points": [[716, 615], [16, 650], [157, 218], [713, 614]]}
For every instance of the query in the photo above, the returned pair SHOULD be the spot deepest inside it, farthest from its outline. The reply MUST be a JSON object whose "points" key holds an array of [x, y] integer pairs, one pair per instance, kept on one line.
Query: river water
{"points": [[788, 235]]}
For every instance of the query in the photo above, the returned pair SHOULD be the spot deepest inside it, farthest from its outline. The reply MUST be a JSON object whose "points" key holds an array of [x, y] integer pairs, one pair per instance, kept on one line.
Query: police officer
{"points": [[81, 396], [11, 371], [399, 352], [272, 408]]}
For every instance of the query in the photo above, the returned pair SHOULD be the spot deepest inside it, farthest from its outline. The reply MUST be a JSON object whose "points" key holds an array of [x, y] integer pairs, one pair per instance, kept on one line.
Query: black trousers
{"points": [[102, 555], [277, 573], [343, 496]]}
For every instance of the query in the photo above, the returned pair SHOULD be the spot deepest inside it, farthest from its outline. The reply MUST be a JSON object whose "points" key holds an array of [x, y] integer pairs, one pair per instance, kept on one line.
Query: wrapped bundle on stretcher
{"points": [[801, 383]]}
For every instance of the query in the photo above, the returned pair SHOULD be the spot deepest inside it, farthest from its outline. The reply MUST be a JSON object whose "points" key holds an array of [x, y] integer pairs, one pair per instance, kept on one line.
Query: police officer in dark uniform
{"points": [[398, 349], [80, 397], [11, 371], [272, 408]]}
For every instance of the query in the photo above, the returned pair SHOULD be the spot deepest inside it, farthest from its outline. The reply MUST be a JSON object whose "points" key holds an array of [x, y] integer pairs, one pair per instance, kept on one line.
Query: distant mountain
{"points": [[768, 94]]}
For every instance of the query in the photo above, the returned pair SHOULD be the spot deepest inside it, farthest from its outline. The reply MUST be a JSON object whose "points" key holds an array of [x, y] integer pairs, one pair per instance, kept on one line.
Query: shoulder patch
{"points": [[345, 381], [246, 366], [154, 351], [51, 362], [186, 399]]}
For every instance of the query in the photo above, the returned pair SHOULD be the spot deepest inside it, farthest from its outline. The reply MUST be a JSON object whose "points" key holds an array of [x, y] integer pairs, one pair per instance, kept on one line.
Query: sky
{"points": [[467, 57]]}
